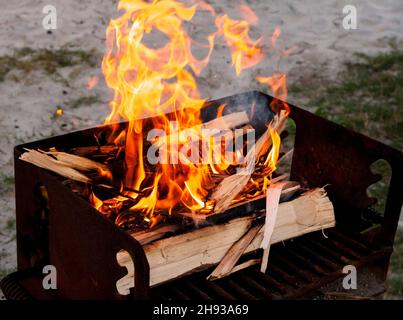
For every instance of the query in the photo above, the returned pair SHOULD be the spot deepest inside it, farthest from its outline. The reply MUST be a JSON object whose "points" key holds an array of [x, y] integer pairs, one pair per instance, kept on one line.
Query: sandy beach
{"points": [[312, 29]]}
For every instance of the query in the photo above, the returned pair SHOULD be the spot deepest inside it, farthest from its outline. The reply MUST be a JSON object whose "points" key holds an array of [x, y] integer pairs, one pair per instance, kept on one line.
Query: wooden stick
{"points": [[68, 165], [46, 162], [227, 264], [273, 195], [288, 190], [285, 156], [244, 265], [178, 255], [234, 253], [77, 162]]}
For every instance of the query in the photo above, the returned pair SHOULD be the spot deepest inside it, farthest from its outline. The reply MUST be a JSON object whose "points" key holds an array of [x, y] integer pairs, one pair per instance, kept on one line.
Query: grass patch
{"points": [[26, 60], [6, 180], [367, 98], [10, 224], [395, 281], [84, 101], [6, 272]]}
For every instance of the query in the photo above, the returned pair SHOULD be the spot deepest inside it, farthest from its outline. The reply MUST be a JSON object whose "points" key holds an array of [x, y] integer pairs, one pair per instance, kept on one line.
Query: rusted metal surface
{"points": [[62, 229]]}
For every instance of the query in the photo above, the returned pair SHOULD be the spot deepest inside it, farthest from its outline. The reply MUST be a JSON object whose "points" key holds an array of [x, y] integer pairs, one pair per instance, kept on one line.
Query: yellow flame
{"points": [[148, 81]]}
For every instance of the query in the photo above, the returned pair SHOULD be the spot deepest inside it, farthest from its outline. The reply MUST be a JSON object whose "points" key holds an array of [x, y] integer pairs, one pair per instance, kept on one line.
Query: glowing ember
{"points": [[59, 112]]}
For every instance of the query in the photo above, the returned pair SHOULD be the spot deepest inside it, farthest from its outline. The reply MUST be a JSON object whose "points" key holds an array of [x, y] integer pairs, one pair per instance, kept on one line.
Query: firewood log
{"points": [[195, 250]]}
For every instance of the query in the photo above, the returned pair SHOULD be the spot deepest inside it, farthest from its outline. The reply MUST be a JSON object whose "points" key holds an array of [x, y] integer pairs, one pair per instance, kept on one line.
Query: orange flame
{"points": [[246, 53], [92, 82], [275, 36], [95, 201], [278, 84], [149, 81], [248, 14]]}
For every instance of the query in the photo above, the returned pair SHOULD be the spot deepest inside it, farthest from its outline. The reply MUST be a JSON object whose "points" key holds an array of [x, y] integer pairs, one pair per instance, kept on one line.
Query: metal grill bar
{"points": [[255, 286], [219, 291], [295, 268], [267, 281]]}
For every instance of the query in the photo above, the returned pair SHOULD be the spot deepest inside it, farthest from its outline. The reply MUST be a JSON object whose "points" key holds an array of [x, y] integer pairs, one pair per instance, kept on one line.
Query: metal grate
{"points": [[296, 267]]}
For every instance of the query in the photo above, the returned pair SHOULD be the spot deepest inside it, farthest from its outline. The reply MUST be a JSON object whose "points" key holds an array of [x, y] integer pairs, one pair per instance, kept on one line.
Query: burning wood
{"points": [[227, 189], [231, 186]]}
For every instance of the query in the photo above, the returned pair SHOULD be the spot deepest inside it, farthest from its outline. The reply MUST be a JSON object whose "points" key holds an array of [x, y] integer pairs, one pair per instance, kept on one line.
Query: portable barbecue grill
{"points": [[64, 230]]}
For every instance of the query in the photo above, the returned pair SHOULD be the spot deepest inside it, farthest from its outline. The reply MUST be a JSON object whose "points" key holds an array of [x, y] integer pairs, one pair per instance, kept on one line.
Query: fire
{"points": [[92, 82], [245, 52], [59, 112], [149, 81], [277, 83], [248, 14]]}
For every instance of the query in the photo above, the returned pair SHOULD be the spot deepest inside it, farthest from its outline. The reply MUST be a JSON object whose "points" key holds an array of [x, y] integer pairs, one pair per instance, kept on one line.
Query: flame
{"points": [[92, 82], [272, 157], [287, 52], [59, 112], [245, 52], [95, 201], [248, 14], [148, 81], [276, 34], [278, 84]]}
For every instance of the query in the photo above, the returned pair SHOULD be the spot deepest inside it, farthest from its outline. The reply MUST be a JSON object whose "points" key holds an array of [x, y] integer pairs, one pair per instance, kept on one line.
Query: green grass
{"points": [[26, 60], [395, 280], [10, 224], [6, 183], [84, 101], [5, 272], [368, 97], [6, 180]]}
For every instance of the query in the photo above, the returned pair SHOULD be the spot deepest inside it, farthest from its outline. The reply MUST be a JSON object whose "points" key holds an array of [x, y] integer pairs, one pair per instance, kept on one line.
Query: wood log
{"points": [[71, 167], [44, 161], [178, 255], [76, 162]]}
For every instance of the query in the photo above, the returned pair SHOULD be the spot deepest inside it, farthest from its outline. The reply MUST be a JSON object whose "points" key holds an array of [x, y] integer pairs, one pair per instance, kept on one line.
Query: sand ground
{"points": [[27, 103]]}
